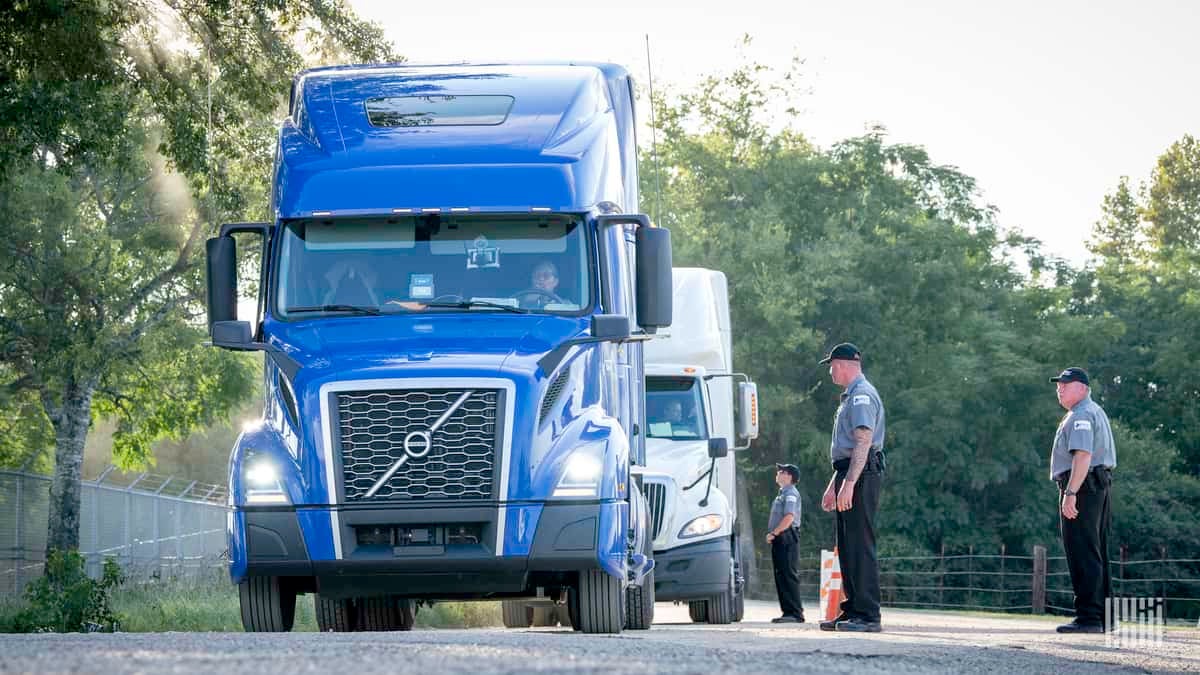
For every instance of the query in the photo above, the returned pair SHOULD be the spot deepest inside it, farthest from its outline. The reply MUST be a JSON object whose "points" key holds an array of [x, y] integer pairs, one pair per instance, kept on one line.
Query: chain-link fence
{"points": [[152, 525]]}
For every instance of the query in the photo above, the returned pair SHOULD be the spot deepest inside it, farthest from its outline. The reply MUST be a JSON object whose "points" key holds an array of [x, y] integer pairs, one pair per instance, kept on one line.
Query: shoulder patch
{"points": [[791, 498], [1083, 425], [860, 399]]}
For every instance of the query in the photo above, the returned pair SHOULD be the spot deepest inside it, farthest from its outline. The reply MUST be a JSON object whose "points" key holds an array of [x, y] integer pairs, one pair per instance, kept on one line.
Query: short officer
{"points": [[858, 462], [1081, 462], [783, 534]]}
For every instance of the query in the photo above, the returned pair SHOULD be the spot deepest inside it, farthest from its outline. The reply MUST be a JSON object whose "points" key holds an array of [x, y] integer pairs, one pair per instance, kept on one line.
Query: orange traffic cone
{"points": [[831, 585]]}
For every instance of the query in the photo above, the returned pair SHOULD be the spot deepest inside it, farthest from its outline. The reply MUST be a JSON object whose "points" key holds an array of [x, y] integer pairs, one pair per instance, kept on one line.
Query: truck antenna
{"points": [[653, 132]]}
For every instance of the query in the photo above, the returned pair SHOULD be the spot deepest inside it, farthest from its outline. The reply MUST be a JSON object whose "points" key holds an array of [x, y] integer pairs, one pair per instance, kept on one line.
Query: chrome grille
{"points": [[373, 426], [656, 500]]}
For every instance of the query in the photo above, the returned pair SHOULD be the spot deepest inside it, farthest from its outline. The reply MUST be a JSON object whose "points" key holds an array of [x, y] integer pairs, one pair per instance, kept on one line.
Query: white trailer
{"points": [[697, 410]]}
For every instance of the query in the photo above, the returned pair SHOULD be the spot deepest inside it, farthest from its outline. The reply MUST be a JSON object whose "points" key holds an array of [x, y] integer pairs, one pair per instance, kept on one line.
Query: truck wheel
{"points": [[601, 603], [404, 613], [334, 616], [739, 607], [721, 607], [516, 614], [639, 604], [385, 613], [375, 614], [268, 605], [698, 610], [573, 608]]}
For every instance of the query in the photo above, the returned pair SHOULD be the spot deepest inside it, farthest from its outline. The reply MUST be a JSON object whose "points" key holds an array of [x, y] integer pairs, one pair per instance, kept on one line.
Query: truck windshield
{"points": [[675, 409], [432, 263]]}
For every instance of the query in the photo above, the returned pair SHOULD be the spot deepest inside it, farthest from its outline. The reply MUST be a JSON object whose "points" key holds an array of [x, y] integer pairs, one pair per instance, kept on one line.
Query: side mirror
{"points": [[233, 335], [747, 413], [654, 285], [222, 281], [610, 326], [718, 447]]}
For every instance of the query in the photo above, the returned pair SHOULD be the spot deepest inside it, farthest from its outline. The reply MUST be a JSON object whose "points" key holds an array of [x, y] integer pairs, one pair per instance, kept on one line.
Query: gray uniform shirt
{"points": [[860, 407], [1084, 427], [787, 502]]}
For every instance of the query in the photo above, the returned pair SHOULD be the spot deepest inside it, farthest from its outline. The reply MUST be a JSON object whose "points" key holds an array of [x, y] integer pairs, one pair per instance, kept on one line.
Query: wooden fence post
{"points": [[1039, 580]]}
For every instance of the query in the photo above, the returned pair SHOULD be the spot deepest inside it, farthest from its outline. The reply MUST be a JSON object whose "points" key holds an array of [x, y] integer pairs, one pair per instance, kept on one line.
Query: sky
{"points": [[1046, 104]]}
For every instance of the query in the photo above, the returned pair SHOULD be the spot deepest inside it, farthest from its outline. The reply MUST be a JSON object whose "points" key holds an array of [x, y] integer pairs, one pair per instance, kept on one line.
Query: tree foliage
{"points": [[132, 129], [961, 323]]}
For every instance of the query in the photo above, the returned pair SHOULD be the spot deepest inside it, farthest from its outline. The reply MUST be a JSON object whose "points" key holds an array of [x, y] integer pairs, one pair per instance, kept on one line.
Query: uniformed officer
{"points": [[1081, 462], [783, 534], [858, 462]]}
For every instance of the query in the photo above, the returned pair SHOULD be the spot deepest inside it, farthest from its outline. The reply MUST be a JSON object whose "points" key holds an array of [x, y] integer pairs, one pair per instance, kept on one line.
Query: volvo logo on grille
{"points": [[417, 444]]}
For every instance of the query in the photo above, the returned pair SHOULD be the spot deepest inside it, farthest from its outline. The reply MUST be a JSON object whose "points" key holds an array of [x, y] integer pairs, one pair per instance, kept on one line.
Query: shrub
{"points": [[66, 600]]}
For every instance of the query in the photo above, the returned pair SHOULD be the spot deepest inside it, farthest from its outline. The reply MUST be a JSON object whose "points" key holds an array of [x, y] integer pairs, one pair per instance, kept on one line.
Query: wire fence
{"points": [[154, 526], [1006, 583]]}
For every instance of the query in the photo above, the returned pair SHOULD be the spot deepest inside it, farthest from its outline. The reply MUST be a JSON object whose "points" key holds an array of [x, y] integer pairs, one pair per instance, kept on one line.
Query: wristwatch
{"points": [[1069, 493]]}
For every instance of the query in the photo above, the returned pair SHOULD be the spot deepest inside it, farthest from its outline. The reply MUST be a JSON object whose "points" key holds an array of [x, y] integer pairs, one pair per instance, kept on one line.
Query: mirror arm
{"points": [[550, 361]]}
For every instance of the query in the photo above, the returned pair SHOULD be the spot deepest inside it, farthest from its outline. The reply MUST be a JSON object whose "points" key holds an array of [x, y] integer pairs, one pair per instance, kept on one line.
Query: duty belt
{"points": [[875, 462], [1097, 470]]}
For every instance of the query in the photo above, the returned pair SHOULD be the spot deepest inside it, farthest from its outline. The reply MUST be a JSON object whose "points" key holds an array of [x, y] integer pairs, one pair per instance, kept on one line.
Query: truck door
{"points": [[627, 356]]}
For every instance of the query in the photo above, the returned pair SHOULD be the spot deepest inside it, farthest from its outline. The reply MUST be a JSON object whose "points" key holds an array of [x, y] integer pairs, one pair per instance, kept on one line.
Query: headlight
{"points": [[581, 477], [261, 480], [701, 526]]}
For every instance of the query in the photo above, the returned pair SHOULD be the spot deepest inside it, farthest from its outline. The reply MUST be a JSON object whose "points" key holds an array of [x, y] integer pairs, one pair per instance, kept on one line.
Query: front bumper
{"points": [[568, 538], [694, 571]]}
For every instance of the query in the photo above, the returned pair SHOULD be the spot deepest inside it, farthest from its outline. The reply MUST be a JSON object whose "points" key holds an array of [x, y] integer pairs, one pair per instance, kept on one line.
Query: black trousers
{"points": [[784, 553], [856, 548], [1085, 540]]}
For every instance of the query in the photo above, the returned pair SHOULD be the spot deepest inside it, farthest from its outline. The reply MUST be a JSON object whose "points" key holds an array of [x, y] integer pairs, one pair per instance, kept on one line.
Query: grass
{"points": [[211, 604]]}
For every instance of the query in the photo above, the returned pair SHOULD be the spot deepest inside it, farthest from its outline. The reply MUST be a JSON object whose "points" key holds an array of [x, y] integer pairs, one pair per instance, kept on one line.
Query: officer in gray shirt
{"points": [[857, 455], [783, 534], [1081, 462]]}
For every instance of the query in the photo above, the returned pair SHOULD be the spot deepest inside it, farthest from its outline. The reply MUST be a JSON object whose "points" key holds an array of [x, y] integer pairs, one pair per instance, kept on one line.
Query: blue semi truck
{"points": [[453, 299]]}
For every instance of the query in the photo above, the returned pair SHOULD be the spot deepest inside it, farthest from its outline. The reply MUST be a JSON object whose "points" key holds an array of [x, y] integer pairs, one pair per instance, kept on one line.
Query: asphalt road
{"points": [[912, 642]]}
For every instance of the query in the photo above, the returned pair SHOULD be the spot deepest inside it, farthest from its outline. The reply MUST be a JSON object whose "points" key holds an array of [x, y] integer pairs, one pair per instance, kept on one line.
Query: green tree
{"points": [[875, 243], [164, 131]]}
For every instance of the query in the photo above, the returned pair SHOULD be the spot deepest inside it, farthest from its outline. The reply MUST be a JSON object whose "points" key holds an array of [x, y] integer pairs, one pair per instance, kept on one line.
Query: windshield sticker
{"points": [[481, 255], [420, 286]]}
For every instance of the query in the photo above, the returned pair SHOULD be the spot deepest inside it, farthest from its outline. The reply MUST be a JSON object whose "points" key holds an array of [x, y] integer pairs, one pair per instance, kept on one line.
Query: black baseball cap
{"points": [[845, 352], [790, 469], [1072, 374]]}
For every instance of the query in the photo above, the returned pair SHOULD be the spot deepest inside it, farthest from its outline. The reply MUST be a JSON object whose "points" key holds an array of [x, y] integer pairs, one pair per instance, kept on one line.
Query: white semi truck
{"points": [[698, 410]]}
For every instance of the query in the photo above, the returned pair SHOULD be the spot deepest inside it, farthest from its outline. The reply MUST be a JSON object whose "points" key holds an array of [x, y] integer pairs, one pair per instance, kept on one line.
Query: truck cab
{"points": [[698, 412], [454, 293]]}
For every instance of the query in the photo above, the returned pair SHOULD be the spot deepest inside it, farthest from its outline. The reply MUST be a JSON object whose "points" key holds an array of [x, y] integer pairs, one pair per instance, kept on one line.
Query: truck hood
{"points": [[683, 461], [479, 342]]}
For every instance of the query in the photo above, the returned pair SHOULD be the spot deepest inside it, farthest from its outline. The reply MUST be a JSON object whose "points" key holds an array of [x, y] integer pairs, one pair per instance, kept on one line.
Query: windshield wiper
{"points": [[355, 309], [467, 304]]}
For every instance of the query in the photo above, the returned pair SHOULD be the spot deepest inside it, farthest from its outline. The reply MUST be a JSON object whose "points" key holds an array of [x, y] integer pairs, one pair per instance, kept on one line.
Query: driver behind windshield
{"points": [[543, 286]]}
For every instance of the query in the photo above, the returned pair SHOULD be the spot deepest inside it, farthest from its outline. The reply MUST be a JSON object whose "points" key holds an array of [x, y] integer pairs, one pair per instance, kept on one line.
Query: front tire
{"points": [[601, 603], [639, 604], [268, 605], [698, 611], [721, 608]]}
